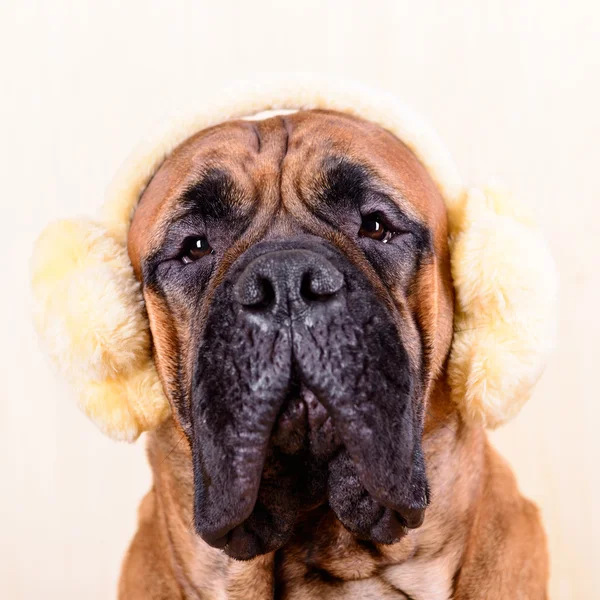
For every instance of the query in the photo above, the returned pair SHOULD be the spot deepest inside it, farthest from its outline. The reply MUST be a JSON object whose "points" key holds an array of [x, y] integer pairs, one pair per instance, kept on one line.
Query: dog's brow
{"points": [[342, 181], [346, 184], [215, 195]]}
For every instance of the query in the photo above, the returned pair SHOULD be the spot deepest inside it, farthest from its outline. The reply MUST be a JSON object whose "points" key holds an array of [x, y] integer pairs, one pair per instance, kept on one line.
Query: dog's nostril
{"points": [[321, 285], [305, 289], [259, 295], [317, 287]]}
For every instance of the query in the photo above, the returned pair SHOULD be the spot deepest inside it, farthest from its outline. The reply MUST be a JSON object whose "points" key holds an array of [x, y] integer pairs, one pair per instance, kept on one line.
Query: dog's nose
{"points": [[287, 281]]}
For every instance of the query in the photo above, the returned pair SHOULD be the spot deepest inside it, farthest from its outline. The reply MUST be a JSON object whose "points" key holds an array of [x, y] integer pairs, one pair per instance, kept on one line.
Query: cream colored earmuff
{"points": [[90, 313]]}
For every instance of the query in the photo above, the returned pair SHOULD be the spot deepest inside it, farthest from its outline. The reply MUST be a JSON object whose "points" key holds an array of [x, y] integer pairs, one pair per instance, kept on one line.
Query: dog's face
{"points": [[296, 277]]}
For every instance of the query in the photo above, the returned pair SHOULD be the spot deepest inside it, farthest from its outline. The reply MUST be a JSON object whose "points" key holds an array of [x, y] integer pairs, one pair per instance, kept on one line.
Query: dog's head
{"points": [[296, 276], [295, 273]]}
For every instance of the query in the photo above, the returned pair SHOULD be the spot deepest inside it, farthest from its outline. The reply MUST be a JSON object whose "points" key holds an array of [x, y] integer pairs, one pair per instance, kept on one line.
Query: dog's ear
{"points": [[89, 312], [506, 289]]}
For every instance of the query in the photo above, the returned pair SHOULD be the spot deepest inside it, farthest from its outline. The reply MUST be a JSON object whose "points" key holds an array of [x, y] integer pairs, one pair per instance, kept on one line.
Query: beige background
{"points": [[513, 88]]}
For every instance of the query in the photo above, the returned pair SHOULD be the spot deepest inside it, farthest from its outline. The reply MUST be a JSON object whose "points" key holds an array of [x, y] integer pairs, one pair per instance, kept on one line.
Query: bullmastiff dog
{"points": [[296, 276]]}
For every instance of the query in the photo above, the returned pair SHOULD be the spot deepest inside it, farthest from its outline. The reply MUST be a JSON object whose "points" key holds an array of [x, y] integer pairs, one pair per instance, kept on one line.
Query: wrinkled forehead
{"points": [[240, 167]]}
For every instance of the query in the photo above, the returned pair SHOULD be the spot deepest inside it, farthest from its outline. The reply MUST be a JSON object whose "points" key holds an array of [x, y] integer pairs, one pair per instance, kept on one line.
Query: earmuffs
{"points": [[90, 314]]}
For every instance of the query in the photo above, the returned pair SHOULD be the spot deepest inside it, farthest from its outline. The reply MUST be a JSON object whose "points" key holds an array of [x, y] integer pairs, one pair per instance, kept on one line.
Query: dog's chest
{"points": [[392, 583], [347, 568], [375, 588]]}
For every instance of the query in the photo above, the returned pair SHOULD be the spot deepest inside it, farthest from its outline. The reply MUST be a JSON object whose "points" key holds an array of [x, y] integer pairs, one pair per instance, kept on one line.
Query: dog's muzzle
{"points": [[303, 394]]}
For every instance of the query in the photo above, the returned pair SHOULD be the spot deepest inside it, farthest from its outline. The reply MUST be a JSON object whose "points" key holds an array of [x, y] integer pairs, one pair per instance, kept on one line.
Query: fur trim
{"points": [[245, 99], [89, 309]]}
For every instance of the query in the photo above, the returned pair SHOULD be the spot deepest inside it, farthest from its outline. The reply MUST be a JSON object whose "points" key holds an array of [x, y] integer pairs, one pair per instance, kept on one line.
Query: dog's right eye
{"points": [[373, 226], [194, 248]]}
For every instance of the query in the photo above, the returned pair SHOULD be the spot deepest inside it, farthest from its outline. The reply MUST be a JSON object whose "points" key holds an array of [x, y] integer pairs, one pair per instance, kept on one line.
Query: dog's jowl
{"points": [[329, 361]]}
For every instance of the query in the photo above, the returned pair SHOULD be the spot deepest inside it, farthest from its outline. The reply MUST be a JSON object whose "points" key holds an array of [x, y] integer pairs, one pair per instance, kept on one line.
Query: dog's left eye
{"points": [[194, 248], [373, 226]]}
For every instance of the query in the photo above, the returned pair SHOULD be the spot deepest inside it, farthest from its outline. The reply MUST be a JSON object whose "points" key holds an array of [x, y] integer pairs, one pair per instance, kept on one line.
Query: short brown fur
{"points": [[480, 538]]}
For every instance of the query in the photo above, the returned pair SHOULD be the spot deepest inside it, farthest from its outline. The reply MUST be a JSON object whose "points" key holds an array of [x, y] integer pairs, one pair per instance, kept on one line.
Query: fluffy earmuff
{"points": [[90, 314], [505, 287], [89, 308]]}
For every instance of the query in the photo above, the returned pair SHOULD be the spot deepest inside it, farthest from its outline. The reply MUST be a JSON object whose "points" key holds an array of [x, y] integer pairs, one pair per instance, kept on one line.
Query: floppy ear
{"points": [[90, 315], [506, 288]]}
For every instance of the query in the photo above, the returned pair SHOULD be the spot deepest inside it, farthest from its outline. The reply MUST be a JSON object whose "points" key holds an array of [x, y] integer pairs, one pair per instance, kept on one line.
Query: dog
{"points": [[314, 321], [297, 280]]}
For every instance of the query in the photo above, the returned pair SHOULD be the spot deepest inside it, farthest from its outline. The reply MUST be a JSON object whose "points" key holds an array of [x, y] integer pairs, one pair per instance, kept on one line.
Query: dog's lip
{"points": [[221, 537], [239, 543], [313, 420], [304, 424], [413, 517], [219, 542]]}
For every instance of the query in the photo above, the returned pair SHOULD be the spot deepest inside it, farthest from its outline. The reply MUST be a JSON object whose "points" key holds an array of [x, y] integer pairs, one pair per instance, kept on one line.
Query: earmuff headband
{"points": [[90, 313]]}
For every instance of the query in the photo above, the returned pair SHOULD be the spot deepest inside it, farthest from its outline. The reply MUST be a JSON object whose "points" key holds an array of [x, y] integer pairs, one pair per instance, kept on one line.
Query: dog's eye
{"points": [[194, 248], [373, 226]]}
